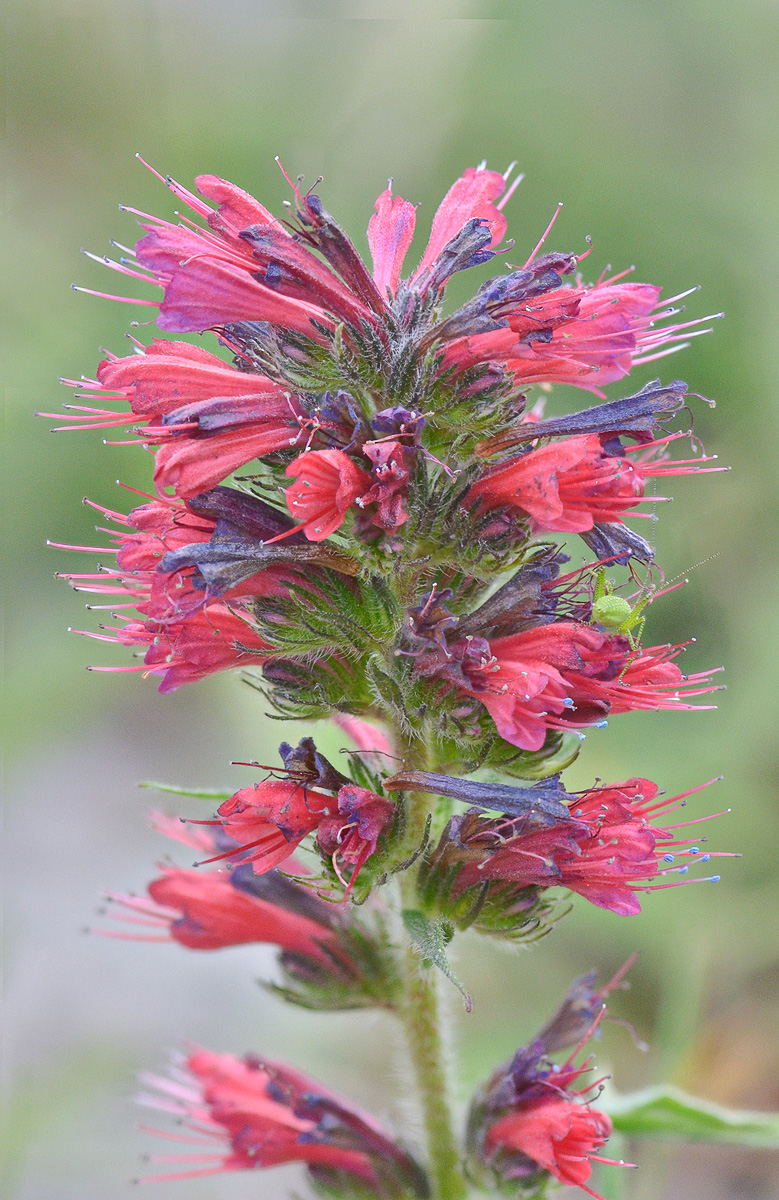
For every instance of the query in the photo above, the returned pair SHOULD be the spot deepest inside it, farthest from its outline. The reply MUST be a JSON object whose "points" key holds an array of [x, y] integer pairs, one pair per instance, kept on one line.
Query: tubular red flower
{"points": [[327, 484], [187, 632], [610, 852], [207, 417], [471, 196], [267, 821], [564, 486], [568, 486], [530, 1118], [207, 284], [390, 231], [587, 336], [559, 1135], [368, 738], [567, 675], [206, 911], [270, 819], [209, 639], [249, 1113]]}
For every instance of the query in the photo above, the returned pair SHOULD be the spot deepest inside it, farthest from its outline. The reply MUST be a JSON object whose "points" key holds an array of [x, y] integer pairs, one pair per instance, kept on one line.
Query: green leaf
{"points": [[195, 793], [430, 939], [668, 1112]]}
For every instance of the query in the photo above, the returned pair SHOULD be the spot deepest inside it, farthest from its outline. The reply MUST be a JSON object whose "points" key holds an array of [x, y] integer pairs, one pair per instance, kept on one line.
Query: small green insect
{"points": [[615, 613]]}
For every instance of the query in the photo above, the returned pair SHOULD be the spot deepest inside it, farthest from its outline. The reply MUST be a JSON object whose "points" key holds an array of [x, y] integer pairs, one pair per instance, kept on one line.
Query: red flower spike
{"points": [[327, 484]]}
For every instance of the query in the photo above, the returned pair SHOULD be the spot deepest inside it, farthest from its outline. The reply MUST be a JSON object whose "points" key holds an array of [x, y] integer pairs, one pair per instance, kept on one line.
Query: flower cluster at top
{"points": [[361, 501]]}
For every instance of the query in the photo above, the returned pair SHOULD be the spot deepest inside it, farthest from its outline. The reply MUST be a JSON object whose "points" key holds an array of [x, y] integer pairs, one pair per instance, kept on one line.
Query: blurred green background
{"points": [[655, 123]]}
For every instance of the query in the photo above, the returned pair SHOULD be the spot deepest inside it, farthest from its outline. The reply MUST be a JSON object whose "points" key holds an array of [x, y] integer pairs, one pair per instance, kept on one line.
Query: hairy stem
{"points": [[422, 1021], [421, 1017]]}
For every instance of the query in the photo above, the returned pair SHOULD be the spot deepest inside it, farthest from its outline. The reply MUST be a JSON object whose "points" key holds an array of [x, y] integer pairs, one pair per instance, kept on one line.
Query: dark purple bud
{"points": [[637, 416], [246, 514], [619, 543], [497, 298], [468, 248], [284, 893], [342, 419], [322, 232], [521, 603], [431, 620], [576, 1015], [541, 805], [235, 551], [398, 421], [215, 416], [307, 766]]}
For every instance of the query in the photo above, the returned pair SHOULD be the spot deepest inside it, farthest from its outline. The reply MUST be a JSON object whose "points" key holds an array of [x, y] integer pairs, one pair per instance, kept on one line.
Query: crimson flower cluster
{"points": [[359, 499]]}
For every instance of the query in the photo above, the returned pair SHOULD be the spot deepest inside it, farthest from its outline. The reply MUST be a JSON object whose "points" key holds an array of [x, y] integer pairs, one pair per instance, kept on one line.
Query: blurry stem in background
{"points": [[421, 1013]]}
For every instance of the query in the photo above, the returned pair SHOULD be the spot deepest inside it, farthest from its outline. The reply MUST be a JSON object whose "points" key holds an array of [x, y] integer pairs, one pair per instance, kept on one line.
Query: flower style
{"points": [[247, 1113]]}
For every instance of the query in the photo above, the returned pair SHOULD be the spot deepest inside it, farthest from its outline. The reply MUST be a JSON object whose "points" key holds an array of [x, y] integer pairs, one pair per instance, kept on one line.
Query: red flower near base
{"points": [[249, 1113], [560, 1136], [531, 1118]]}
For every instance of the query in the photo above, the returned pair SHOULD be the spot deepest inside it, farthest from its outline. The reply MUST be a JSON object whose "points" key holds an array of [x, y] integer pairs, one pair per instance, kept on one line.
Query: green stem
{"points": [[421, 1015], [422, 1021]]}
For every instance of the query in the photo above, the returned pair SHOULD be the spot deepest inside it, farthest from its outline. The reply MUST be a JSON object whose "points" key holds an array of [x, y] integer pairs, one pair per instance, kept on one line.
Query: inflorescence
{"points": [[360, 500]]}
